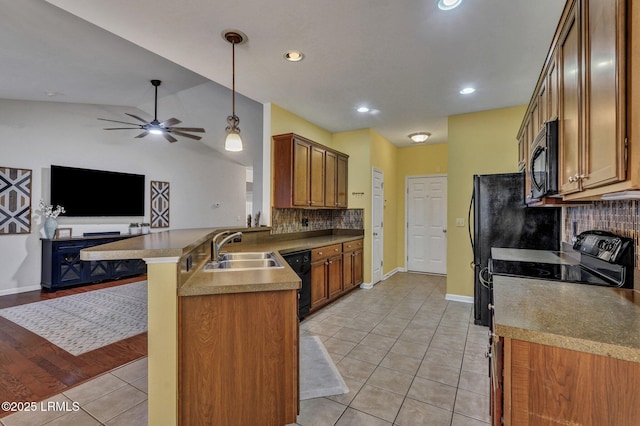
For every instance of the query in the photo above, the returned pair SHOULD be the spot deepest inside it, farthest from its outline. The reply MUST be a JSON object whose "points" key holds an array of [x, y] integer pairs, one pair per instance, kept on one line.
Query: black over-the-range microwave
{"points": [[543, 165]]}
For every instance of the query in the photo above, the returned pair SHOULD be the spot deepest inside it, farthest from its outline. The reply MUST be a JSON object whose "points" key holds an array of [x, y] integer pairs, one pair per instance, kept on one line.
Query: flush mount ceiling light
{"points": [[448, 4], [233, 141], [467, 91], [363, 109], [294, 56], [419, 137]]}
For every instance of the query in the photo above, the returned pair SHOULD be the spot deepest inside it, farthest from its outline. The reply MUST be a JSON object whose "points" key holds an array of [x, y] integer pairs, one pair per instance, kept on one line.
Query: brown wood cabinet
{"points": [[570, 109], [584, 84], [238, 359], [335, 188], [352, 264], [536, 384], [592, 96], [335, 270], [326, 274], [307, 174]]}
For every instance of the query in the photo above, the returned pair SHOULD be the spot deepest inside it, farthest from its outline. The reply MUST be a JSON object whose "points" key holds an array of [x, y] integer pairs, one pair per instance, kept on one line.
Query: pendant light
{"points": [[233, 141]]}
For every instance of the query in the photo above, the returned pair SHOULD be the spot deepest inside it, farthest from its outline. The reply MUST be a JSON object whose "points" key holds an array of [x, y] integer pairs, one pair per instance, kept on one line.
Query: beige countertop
{"points": [[177, 243], [593, 319]]}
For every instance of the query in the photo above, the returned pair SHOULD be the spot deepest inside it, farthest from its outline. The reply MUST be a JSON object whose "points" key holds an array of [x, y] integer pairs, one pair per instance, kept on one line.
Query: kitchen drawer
{"points": [[325, 252], [352, 245]]}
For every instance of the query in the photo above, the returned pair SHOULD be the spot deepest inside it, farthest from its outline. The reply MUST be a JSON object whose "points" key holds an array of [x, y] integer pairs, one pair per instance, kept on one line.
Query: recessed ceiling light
{"points": [[419, 137], [467, 91], [294, 56], [448, 4], [363, 109]]}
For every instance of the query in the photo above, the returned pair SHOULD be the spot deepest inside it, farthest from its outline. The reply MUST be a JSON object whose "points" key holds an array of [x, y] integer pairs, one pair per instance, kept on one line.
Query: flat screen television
{"points": [[85, 192]]}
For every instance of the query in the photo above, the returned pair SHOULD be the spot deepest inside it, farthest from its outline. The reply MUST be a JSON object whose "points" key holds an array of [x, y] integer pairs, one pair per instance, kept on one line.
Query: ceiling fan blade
{"points": [[137, 118], [121, 128], [170, 122], [121, 122], [170, 138], [143, 134], [186, 135], [189, 129]]}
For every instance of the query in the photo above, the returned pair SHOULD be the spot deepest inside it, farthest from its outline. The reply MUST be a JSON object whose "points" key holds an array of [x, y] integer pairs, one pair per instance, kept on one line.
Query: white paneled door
{"points": [[377, 226], [427, 224]]}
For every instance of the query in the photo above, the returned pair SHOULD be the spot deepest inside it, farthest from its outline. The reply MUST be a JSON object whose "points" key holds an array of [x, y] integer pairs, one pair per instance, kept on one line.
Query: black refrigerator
{"points": [[502, 219]]}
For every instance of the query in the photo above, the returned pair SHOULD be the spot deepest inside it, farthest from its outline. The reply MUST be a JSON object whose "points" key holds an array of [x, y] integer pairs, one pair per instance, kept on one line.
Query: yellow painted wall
{"points": [[479, 143], [357, 145], [384, 157], [283, 121], [415, 161]]}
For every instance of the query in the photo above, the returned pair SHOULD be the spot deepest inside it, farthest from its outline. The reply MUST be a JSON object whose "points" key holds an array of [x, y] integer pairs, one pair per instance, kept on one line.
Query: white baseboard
{"points": [[9, 291], [391, 273], [458, 298], [366, 286]]}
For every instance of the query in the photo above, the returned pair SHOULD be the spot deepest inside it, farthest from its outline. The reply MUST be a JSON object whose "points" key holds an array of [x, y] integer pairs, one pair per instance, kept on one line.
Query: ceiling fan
{"points": [[165, 128]]}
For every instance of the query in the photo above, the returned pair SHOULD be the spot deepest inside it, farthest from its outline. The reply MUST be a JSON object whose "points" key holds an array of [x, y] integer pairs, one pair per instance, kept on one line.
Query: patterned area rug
{"points": [[83, 322], [319, 376]]}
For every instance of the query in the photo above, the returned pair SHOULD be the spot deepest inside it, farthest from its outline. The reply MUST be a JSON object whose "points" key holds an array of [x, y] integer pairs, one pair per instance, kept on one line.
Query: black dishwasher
{"points": [[300, 262]]}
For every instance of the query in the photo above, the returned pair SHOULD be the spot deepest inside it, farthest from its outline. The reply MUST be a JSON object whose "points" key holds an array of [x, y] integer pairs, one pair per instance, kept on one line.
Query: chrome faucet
{"points": [[218, 246]]}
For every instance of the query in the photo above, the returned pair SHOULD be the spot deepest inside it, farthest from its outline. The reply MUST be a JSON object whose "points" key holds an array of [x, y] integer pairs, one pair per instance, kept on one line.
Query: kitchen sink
{"points": [[248, 255], [244, 262]]}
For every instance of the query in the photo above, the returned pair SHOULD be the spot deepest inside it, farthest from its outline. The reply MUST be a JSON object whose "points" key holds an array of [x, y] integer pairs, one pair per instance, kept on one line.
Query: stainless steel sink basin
{"points": [[248, 255], [244, 262]]}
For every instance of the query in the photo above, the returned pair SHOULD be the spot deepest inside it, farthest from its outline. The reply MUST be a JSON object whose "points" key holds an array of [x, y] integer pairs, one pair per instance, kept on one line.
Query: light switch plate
{"points": [[459, 221]]}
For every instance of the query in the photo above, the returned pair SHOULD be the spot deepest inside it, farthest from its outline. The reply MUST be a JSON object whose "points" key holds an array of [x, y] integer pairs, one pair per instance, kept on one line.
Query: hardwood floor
{"points": [[33, 369]]}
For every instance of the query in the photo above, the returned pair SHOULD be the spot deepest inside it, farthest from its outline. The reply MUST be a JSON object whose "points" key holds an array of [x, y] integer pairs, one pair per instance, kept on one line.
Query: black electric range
{"points": [[606, 259]]}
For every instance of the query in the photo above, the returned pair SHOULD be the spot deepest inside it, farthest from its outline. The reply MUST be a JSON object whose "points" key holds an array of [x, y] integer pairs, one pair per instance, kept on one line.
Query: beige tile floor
{"points": [[408, 356]]}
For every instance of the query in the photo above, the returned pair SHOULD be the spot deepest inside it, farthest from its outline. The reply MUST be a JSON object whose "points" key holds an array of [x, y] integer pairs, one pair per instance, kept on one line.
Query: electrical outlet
{"points": [[459, 221]]}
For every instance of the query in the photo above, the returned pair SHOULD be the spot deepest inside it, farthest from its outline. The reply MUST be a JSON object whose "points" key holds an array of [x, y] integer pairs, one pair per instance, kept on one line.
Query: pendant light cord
{"points": [[233, 78]]}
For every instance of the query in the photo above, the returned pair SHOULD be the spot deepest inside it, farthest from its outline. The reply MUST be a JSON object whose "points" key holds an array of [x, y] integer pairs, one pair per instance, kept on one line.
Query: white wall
{"points": [[34, 135]]}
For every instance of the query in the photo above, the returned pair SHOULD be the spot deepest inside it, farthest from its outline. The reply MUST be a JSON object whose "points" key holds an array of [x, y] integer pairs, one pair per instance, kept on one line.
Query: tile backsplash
{"points": [[619, 217], [284, 221]]}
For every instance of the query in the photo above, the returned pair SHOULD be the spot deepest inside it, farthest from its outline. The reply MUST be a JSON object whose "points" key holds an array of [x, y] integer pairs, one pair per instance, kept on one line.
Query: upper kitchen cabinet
{"points": [[592, 96], [584, 84], [307, 174], [604, 157], [569, 114]]}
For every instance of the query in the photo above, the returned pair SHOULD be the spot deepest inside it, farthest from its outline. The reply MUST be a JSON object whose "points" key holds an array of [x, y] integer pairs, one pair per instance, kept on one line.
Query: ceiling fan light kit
{"points": [[233, 142], [155, 127]]}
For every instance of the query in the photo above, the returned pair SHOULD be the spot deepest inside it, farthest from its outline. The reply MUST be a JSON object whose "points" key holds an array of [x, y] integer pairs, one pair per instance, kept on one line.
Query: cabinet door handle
{"points": [[320, 253]]}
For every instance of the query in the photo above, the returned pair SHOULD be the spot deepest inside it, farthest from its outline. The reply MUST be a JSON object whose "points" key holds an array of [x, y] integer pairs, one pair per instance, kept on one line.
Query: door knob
{"points": [[444, 230]]}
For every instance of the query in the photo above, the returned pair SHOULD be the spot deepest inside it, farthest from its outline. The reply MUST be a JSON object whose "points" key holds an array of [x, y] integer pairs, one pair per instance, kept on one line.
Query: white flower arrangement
{"points": [[50, 211]]}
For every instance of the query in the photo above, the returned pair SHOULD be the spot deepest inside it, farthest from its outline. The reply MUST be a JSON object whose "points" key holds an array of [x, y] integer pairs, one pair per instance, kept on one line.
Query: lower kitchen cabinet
{"points": [[326, 274], [238, 359], [335, 270], [535, 384], [352, 264]]}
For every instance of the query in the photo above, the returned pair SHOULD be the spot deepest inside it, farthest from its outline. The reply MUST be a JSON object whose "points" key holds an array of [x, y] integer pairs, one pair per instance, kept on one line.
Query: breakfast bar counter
{"points": [[204, 326]]}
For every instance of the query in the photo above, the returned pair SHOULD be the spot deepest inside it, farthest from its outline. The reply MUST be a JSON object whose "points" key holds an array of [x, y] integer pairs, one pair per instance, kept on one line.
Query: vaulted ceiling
{"points": [[406, 60]]}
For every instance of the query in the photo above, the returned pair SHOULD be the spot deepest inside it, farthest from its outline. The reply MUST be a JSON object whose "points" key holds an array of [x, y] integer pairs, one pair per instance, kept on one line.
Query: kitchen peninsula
{"points": [[564, 353], [219, 339]]}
